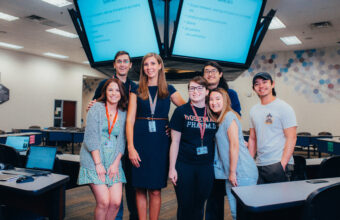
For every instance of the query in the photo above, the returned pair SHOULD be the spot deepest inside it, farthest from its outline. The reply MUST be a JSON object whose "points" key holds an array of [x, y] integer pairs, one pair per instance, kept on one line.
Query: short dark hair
{"points": [[200, 81], [222, 83], [121, 52], [122, 104]]}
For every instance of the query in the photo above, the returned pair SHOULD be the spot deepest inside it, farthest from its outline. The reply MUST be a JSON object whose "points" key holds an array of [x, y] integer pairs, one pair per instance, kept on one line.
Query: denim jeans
{"points": [[231, 198]]}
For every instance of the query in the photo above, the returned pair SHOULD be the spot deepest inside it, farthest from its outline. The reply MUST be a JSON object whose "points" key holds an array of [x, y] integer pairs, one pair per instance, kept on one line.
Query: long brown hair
{"points": [[143, 90], [122, 103], [225, 109]]}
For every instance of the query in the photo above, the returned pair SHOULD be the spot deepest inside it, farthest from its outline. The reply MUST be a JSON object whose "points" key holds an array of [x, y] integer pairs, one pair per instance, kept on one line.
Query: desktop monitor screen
{"points": [[41, 157], [114, 25], [221, 30], [18, 142]]}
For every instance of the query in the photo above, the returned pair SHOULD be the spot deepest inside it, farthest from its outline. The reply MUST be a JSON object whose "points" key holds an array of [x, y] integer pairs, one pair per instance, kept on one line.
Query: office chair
{"points": [[34, 127], [2, 132], [9, 156], [330, 167], [299, 168], [325, 133], [323, 204]]}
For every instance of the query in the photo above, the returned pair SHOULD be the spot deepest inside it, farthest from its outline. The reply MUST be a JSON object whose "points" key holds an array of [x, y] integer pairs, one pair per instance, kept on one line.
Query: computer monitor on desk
{"points": [[41, 158], [20, 143]]}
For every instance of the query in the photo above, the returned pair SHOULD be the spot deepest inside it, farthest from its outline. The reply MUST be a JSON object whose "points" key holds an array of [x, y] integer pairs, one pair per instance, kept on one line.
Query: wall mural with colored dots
{"points": [[314, 73]]}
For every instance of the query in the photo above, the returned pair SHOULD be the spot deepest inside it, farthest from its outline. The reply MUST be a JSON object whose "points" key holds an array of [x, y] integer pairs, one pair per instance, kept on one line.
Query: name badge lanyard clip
{"points": [[152, 123], [202, 127], [110, 128]]}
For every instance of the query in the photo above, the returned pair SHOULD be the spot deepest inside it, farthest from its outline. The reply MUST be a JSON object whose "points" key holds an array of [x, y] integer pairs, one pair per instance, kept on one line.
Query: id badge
{"points": [[202, 150], [152, 126]]}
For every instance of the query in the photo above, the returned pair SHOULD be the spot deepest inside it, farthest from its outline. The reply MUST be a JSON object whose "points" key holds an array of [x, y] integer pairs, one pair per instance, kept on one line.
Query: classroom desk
{"points": [[44, 196], [329, 145], [275, 201], [64, 136], [68, 164], [38, 136]]}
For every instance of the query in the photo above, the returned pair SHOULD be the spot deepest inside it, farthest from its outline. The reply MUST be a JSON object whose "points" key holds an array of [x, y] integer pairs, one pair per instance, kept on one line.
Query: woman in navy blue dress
{"points": [[148, 142]]}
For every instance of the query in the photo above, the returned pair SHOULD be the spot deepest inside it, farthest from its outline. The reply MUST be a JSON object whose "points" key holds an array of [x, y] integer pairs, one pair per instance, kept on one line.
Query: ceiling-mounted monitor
{"points": [[113, 25], [221, 30]]}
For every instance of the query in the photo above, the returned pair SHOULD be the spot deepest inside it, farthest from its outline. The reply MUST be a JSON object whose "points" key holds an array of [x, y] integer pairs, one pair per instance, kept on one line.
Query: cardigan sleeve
{"points": [[92, 131]]}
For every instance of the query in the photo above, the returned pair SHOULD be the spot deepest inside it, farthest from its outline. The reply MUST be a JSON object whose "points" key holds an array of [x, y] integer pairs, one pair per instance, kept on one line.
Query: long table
{"points": [[68, 164], [63, 136], [44, 196], [275, 201], [329, 145]]}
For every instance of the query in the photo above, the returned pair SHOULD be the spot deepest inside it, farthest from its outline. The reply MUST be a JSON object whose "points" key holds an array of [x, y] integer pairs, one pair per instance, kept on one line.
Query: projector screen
{"points": [[219, 30], [114, 25]]}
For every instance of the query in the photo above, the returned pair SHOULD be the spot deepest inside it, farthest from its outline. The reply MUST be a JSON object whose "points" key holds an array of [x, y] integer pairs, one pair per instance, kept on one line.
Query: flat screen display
{"points": [[18, 142], [219, 30], [114, 25], [41, 157]]}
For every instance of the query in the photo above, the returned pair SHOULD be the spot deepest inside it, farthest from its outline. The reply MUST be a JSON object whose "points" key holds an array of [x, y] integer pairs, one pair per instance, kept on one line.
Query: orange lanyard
{"points": [[110, 128]]}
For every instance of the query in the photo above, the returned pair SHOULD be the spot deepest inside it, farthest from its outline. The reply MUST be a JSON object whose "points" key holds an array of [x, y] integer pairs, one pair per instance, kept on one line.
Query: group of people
{"points": [[127, 140]]}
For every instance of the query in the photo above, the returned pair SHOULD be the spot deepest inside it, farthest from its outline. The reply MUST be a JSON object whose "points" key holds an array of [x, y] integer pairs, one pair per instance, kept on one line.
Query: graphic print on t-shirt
{"points": [[192, 122], [269, 119]]}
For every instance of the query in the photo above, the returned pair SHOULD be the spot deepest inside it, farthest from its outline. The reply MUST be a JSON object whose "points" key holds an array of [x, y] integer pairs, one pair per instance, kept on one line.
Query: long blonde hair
{"points": [[225, 109], [143, 91]]}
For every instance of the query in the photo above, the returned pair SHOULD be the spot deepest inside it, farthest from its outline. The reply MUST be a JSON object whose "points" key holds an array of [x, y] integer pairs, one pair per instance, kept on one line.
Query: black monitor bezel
{"points": [[202, 60], [109, 62]]}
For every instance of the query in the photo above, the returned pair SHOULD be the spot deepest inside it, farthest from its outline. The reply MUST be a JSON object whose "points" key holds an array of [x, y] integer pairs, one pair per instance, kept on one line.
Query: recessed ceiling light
{"points": [[7, 17], [55, 55], [291, 40], [12, 46], [62, 33], [86, 62], [59, 3], [276, 24]]}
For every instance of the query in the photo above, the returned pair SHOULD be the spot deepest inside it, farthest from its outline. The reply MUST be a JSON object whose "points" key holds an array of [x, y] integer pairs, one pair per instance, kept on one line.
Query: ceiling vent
{"points": [[321, 25], [43, 21]]}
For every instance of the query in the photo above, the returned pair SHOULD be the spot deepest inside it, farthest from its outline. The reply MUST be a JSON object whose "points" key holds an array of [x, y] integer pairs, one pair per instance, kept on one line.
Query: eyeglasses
{"points": [[123, 61], [213, 71], [198, 88]]}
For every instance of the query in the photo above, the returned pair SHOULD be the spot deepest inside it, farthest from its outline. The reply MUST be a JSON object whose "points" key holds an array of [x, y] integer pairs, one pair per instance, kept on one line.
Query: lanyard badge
{"points": [[152, 123], [200, 150]]}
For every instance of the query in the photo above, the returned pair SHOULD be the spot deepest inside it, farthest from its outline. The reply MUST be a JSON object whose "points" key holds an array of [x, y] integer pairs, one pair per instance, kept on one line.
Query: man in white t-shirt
{"points": [[272, 132]]}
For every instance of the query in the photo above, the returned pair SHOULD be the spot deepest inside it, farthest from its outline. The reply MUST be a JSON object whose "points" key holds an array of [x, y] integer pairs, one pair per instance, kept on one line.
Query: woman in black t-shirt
{"points": [[192, 152]]}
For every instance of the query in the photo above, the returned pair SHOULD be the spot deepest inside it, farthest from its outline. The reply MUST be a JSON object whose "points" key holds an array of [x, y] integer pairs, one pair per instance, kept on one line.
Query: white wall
{"points": [[34, 83], [304, 85]]}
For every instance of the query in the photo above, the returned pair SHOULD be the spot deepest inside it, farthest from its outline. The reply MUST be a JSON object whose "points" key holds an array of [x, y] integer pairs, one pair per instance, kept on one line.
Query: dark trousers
{"points": [[215, 205], [193, 187], [274, 173], [130, 191]]}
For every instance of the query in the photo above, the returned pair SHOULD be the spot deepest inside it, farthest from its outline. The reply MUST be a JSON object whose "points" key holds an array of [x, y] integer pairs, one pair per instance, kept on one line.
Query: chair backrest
{"points": [[303, 133], [330, 167], [299, 168], [323, 203], [325, 133], [2, 132], [34, 127], [8, 155]]}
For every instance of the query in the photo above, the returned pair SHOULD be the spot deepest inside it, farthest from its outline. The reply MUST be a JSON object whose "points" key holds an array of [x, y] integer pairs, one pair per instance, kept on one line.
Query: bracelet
{"points": [[98, 163]]}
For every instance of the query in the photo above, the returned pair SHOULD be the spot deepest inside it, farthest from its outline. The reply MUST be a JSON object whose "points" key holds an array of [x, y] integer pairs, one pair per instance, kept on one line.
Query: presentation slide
{"points": [[113, 25], [216, 29]]}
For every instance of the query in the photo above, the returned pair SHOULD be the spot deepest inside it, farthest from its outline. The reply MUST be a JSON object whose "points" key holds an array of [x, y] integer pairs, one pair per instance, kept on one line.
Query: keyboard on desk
{"points": [[33, 171]]}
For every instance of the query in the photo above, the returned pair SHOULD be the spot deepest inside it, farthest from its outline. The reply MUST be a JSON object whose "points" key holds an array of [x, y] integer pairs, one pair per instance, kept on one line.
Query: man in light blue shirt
{"points": [[272, 132]]}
